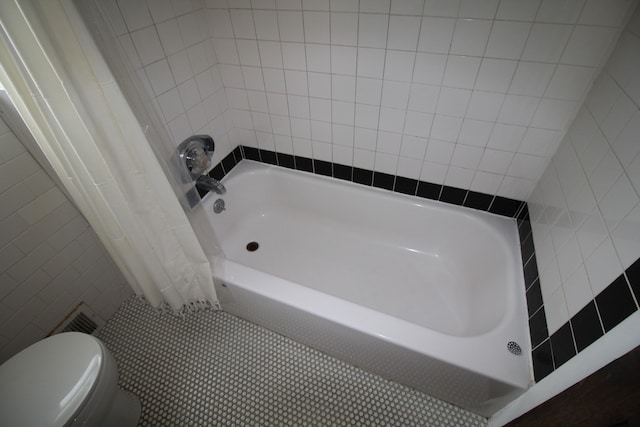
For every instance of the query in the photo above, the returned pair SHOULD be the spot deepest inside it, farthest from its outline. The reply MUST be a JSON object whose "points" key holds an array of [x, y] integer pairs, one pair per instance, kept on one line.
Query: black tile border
{"points": [[399, 184], [548, 352]]}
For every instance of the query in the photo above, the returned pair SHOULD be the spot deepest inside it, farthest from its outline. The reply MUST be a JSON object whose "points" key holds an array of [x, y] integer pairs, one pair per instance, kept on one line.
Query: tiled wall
{"points": [[168, 44], [473, 94], [585, 216], [50, 259]]}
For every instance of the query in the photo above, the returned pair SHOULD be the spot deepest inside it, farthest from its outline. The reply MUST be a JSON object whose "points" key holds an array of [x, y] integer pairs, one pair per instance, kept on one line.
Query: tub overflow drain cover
{"points": [[514, 348], [252, 246]]}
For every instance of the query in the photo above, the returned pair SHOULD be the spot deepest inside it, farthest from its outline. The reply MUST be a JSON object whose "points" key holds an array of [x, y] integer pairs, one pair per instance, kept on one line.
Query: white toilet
{"points": [[66, 379]]}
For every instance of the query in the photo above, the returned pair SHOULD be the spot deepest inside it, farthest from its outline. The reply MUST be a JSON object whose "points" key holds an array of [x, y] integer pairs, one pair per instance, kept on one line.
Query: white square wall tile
{"points": [[506, 137], [266, 23], [389, 142], [546, 42], [413, 147], [296, 82], [495, 75], [391, 120], [343, 113], [372, 30], [343, 88], [135, 13], [423, 98], [418, 124], [447, 8], [407, 7], [270, 54], [485, 106], [507, 39], [343, 60], [319, 85], [626, 238], [565, 12], [459, 177], [371, 62], [242, 23], [399, 65], [453, 102], [555, 309], [318, 58], [395, 94], [291, 26], [148, 45], [403, 32], [409, 168], [554, 114], [461, 71], [475, 132], [367, 116], [316, 27], [160, 77], [518, 110], [570, 82], [470, 37], [248, 52], [603, 266], [170, 37], [609, 13], [344, 29], [445, 128], [531, 78], [436, 34], [293, 56], [368, 91], [375, 6], [517, 10], [577, 291], [439, 152], [429, 68], [588, 45], [481, 9]]}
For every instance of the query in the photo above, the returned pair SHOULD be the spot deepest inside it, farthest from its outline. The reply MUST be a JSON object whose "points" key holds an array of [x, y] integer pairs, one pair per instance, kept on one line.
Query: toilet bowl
{"points": [[67, 379]]}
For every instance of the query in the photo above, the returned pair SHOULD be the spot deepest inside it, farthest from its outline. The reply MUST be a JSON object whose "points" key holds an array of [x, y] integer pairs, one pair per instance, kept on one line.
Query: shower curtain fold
{"points": [[81, 120]]}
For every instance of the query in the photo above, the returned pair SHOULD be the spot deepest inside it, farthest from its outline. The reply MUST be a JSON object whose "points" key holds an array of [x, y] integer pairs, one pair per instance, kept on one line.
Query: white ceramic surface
{"points": [[46, 383], [422, 292]]}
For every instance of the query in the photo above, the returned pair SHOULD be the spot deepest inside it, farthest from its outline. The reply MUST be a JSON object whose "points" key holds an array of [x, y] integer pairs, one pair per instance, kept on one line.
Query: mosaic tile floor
{"points": [[212, 368]]}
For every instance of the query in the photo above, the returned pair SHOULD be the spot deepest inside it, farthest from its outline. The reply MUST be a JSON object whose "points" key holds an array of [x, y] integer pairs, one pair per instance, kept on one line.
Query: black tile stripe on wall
{"points": [[609, 308]]}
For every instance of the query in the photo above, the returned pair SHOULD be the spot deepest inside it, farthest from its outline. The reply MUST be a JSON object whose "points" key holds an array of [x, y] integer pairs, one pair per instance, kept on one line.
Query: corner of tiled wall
{"points": [[50, 259], [585, 214]]}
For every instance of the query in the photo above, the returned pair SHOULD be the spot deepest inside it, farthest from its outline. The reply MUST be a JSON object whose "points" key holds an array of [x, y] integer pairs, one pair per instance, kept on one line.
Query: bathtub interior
{"points": [[453, 267], [456, 352]]}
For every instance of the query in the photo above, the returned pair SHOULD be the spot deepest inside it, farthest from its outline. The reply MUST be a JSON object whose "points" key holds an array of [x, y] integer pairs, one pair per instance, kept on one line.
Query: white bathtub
{"points": [[421, 292]]}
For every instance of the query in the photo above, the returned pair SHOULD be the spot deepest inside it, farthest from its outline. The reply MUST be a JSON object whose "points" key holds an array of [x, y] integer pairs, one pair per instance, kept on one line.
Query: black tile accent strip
{"points": [[586, 326], [323, 168], [383, 180], [453, 195], [633, 276], [562, 345], [406, 185], [615, 303], [538, 328], [342, 172], [542, 360]]}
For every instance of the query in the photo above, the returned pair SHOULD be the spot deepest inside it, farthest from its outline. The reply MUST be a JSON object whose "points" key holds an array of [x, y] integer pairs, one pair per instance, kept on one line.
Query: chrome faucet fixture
{"points": [[206, 183]]}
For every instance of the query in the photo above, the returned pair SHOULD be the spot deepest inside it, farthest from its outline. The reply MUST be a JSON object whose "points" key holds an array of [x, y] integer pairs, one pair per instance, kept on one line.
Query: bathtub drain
{"points": [[252, 246]]}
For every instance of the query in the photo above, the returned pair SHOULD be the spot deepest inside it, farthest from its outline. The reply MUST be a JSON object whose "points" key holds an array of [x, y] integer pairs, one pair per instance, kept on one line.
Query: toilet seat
{"points": [[49, 382]]}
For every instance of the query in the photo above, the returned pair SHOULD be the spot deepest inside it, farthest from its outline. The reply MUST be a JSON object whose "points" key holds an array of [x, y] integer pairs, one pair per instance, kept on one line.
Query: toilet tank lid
{"points": [[46, 383]]}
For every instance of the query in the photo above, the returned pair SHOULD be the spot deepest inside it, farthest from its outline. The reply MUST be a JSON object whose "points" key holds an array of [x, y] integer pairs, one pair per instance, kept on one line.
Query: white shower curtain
{"points": [[69, 99]]}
